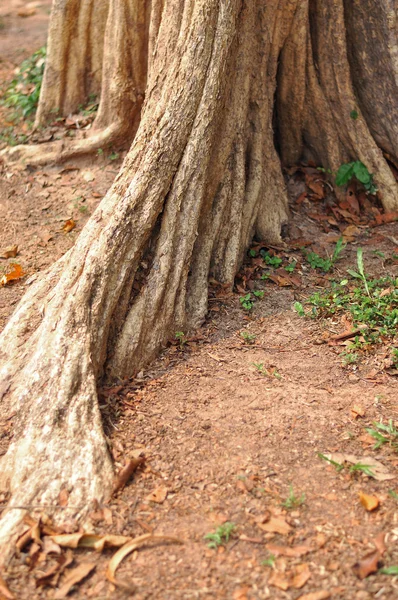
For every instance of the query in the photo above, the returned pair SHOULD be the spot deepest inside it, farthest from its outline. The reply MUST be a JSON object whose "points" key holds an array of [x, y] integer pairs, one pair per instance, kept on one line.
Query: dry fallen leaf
{"points": [[72, 578], [301, 575], [63, 497], [45, 236], [26, 12], [294, 552], [126, 472], [68, 225], [16, 273], [367, 565], [279, 580], [132, 545], [379, 542], [159, 495], [4, 591], [321, 595], [88, 540], [357, 411], [9, 252], [368, 501], [275, 525]]}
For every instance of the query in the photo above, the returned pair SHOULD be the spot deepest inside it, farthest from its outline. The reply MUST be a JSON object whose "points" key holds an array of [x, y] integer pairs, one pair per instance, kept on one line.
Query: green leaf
{"points": [[361, 172], [361, 268], [354, 274], [354, 115], [393, 570], [344, 174], [298, 307]]}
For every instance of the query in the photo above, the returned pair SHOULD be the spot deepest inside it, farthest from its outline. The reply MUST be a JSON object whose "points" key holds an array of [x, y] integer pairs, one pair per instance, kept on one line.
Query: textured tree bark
{"points": [[202, 177]]}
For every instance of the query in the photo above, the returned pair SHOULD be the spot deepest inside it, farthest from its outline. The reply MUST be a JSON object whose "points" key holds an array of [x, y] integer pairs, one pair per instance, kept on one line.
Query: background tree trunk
{"points": [[201, 179]]}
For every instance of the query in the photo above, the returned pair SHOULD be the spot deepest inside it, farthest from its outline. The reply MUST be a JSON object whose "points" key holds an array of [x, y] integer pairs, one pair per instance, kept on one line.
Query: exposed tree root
{"points": [[201, 178]]}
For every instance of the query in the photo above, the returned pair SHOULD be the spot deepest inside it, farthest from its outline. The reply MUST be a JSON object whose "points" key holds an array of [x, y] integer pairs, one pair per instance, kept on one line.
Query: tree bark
{"points": [[202, 178]]}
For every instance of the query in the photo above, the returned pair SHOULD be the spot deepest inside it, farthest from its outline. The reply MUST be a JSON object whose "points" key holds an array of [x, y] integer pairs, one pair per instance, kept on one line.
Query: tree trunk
{"points": [[201, 178]]}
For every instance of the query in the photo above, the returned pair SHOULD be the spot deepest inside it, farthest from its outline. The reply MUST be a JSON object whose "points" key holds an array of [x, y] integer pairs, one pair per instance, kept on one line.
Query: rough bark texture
{"points": [[201, 178]]}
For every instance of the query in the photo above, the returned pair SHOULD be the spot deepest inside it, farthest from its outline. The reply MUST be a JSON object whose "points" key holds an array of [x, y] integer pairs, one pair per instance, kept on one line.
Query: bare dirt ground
{"points": [[231, 421]]}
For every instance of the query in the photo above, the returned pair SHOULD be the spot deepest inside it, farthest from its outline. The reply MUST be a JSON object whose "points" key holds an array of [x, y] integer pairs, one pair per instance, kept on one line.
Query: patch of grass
{"points": [[9, 137], [221, 535], [24, 90], [334, 464], [293, 501], [393, 570], [384, 434], [393, 494], [371, 303], [359, 467], [261, 368], [349, 358]]}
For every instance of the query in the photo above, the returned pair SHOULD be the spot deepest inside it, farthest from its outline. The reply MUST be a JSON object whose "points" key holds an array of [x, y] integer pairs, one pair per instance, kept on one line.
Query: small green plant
{"points": [[24, 90], [100, 152], [293, 501], [325, 264], [339, 467], [271, 261], [247, 301], [393, 494], [358, 170], [261, 368], [354, 115], [298, 307], [248, 338], [384, 434], [220, 536], [359, 467], [181, 339], [361, 270], [268, 562], [349, 358], [114, 156], [291, 266]]}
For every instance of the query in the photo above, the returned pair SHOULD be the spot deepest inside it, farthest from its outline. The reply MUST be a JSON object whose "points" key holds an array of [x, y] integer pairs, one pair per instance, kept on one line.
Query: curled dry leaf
{"points": [[9, 252], [295, 578], [68, 225], [367, 565], [159, 495], [4, 590], [368, 502], [279, 580], [357, 411], [73, 577], [16, 273], [126, 472], [132, 545], [88, 540]]}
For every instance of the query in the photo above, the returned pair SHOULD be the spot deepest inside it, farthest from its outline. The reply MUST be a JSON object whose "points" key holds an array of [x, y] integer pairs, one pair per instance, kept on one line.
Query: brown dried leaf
{"points": [[26, 12], [132, 545], [279, 580], [73, 577], [88, 540], [368, 502], [294, 552], [379, 542], [68, 225], [301, 576], [367, 565], [63, 497], [15, 273], [275, 525], [45, 236], [126, 472], [321, 595], [357, 411], [4, 590], [9, 252], [159, 495]]}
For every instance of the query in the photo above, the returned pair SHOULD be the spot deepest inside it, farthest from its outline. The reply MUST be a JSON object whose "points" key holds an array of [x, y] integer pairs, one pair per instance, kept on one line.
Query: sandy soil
{"points": [[224, 440]]}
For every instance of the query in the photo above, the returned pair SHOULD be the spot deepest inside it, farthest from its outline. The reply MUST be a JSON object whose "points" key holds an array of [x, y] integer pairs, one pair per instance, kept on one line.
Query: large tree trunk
{"points": [[201, 178]]}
